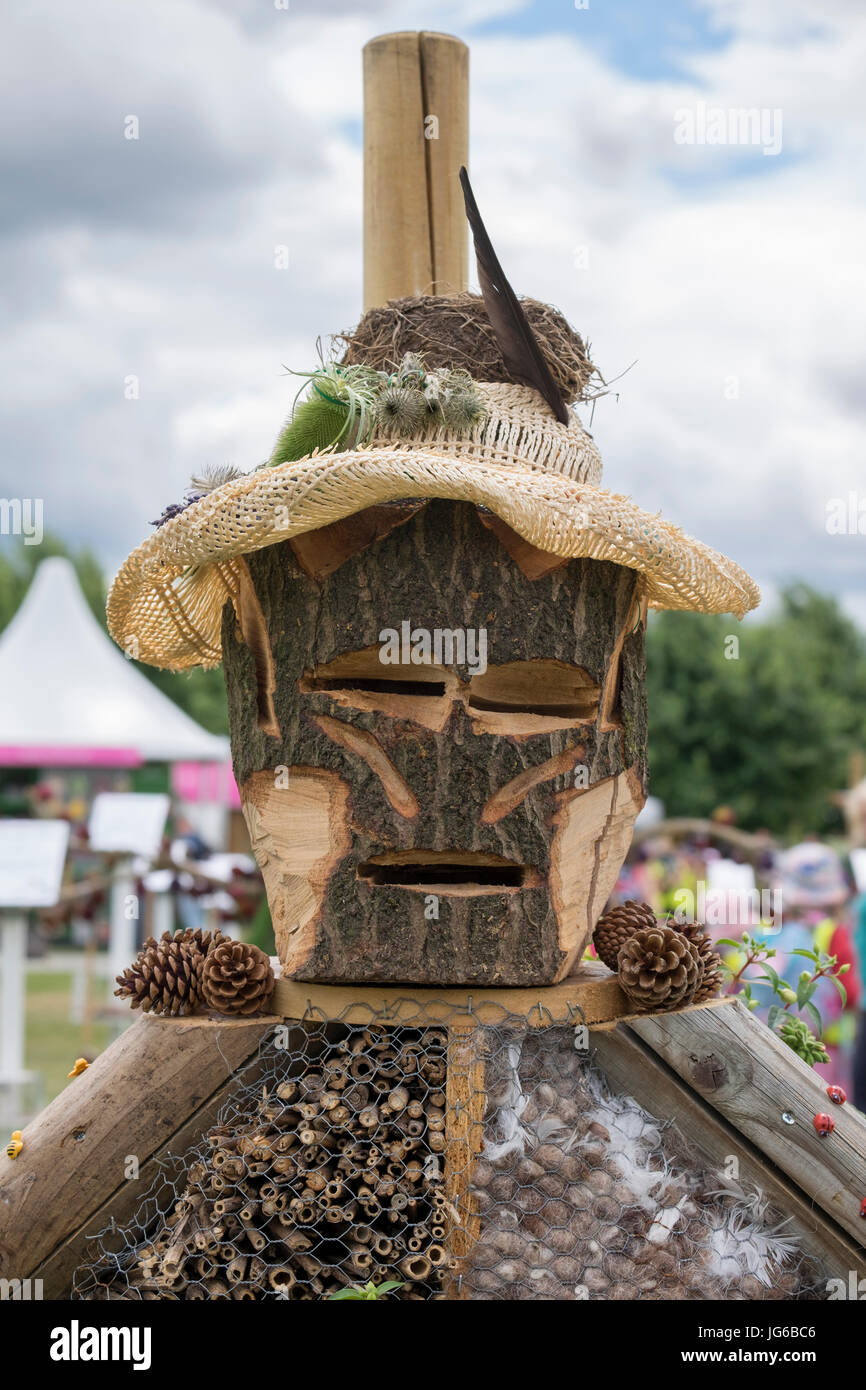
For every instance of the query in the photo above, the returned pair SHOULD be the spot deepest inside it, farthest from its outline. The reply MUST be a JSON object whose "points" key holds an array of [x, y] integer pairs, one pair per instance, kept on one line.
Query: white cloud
{"points": [[705, 263]]}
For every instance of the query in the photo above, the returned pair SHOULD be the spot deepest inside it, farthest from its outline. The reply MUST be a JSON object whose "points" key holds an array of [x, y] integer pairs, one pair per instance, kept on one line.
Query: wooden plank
{"points": [[591, 995], [464, 1132], [138, 1093], [631, 1067], [445, 94], [397, 253], [747, 1073]]}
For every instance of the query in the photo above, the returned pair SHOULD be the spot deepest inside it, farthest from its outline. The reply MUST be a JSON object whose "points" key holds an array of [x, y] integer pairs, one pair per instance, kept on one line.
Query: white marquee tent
{"points": [[69, 697]]}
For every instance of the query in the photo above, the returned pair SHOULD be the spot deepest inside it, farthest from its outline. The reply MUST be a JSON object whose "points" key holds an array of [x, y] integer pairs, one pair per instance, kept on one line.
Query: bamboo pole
{"points": [[416, 133]]}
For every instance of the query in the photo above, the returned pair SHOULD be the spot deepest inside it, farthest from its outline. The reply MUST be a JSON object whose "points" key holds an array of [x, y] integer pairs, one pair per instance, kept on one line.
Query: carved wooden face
{"points": [[460, 757]]}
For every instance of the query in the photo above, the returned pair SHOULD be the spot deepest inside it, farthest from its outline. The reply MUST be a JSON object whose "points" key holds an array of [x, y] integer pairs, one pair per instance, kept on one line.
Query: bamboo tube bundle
{"points": [[329, 1175]]}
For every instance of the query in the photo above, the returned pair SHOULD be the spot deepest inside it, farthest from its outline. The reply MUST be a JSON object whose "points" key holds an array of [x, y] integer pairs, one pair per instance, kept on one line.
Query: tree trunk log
{"points": [[462, 826]]}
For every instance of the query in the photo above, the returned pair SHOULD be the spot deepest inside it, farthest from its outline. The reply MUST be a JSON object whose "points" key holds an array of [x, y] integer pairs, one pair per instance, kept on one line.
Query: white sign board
{"points": [[32, 855], [128, 822]]}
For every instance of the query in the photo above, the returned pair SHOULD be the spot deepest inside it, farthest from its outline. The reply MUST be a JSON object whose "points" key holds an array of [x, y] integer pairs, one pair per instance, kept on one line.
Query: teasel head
{"points": [[455, 379], [462, 410], [213, 477], [401, 410], [411, 368], [433, 400]]}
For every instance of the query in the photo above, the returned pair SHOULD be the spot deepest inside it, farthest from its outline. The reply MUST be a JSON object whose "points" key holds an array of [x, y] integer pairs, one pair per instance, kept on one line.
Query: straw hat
{"points": [[527, 458]]}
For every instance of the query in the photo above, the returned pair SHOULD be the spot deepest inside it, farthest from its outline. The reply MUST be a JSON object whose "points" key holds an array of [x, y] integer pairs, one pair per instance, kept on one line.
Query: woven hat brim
{"points": [[165, 606]]}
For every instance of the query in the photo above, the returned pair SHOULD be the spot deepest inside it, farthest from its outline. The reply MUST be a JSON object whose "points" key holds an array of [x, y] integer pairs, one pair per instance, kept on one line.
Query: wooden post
{"points": [[416, 136]]}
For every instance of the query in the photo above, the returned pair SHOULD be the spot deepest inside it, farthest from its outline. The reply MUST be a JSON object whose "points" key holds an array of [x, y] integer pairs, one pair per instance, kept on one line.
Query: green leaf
{"points": [[771, 976], [773, 1015], [806, 987], [810, 955], [843, 993], [726, 941], [368, 1292], [815, 1017]]}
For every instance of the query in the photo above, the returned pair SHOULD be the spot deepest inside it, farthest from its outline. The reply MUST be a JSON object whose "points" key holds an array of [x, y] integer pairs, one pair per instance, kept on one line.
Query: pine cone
{"points": [[616, 926], [204, 940], [711, 966], [165, 978], [659, 968], [237, 978]]}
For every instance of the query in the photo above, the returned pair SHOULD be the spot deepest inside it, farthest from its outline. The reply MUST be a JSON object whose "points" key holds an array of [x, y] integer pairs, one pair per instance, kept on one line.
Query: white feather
{"points": [[506, 1119]]}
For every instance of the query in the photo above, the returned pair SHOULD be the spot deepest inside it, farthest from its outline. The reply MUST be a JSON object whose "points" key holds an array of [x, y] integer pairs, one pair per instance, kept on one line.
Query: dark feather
{"points": [[517, 342]]}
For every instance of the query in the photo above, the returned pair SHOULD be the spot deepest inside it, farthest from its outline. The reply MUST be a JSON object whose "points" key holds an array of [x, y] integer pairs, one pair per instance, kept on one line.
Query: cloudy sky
{"points": [[728, 276]]}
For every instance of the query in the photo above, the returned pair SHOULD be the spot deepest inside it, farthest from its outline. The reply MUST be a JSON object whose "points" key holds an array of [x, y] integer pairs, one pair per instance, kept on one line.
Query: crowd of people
{"points": [[806, 904]]}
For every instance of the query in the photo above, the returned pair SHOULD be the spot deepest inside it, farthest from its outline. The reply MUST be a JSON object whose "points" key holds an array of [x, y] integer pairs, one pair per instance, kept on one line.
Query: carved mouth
{"points": [[446, 872]]}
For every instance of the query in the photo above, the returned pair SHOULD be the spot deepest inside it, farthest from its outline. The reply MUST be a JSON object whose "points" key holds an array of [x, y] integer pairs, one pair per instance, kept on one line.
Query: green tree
{"points": [[767, 730]]}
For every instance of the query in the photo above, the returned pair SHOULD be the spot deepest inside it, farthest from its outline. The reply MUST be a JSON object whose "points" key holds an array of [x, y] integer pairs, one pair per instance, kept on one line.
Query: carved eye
{"points": [[528, 697], [361, 680]]}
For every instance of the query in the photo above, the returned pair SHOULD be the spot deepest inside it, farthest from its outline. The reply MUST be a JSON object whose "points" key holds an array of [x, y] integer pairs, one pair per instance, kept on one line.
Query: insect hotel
{"points": [[430, 614]]}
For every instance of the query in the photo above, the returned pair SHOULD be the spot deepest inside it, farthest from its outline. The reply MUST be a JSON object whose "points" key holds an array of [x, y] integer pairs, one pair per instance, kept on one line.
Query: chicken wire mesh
{"points": [[462, 1157]]}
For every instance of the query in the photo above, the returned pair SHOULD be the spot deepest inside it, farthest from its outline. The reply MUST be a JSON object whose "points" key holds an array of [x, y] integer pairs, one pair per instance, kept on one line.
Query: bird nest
{"points": [[454, 331]]}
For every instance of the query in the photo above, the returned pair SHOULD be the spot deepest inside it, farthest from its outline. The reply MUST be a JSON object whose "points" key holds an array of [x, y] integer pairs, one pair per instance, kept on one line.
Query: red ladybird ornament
{"points": [[863, 1208], [837, 1095], [824, 1125]]}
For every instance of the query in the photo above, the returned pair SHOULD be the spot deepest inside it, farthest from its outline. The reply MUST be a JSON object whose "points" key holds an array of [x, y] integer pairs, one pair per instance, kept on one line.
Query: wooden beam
{"points": [[591, 995], [136, 1096], [464, 1133], [632, 1068], [746, 1073], [415, 237]]}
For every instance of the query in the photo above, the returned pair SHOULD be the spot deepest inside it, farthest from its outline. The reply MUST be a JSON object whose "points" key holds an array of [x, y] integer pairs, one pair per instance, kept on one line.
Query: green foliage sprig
{"points": [[725, 721], [346, 405], [367, 1292], [793, 1031]]}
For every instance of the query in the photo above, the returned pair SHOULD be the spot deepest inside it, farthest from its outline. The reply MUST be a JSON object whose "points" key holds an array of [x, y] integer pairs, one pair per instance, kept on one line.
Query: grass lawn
{"points": [[51, 1042]]}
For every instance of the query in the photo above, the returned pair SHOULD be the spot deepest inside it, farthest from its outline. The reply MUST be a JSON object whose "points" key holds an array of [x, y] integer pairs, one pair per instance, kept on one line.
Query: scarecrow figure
{"points": [[431, 618]]}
